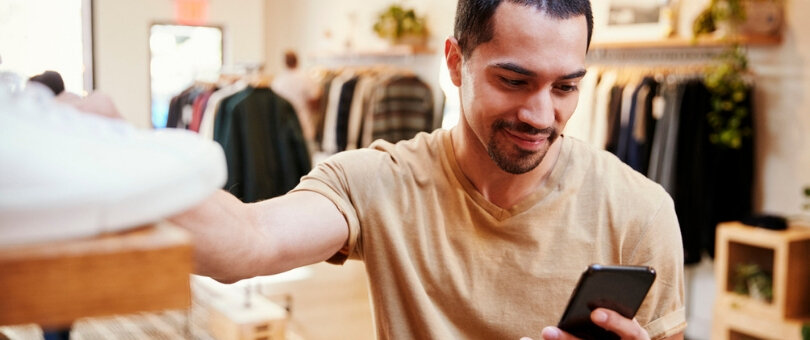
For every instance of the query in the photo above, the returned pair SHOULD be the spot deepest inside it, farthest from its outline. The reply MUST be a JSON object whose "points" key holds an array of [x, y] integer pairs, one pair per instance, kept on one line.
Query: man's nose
{"points": [[538, 110]]}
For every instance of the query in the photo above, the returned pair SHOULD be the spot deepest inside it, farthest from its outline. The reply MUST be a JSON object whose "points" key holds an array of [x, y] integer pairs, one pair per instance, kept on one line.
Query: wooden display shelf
{"points": [[739, 324], [748, 40], [785, 254], [53, 284]]}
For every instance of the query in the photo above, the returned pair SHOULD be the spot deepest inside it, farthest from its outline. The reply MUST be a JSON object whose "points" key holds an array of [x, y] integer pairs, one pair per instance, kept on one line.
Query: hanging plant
{"points": [[729, 94], [807, 198], [397, 24], [806, 331], [725, 14]]}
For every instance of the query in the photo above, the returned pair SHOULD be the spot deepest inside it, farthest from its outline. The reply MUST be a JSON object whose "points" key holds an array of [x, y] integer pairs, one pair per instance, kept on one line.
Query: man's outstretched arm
{"points": [[234, 240]]}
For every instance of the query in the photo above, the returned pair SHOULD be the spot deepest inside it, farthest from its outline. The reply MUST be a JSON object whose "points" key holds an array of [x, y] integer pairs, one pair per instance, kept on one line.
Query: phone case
{"points": [[619, 288]]}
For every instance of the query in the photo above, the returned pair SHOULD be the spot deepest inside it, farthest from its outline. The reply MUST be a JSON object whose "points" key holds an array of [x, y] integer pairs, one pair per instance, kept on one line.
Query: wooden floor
{"points": [[332, 302]]}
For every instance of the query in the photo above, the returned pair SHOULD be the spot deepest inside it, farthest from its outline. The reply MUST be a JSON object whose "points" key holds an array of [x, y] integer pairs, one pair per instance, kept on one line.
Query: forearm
{"points": [[228, 243], [233, 240]]}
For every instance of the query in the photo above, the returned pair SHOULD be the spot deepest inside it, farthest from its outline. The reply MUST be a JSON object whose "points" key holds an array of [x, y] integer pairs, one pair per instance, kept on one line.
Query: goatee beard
{"points": [[511, 158]]}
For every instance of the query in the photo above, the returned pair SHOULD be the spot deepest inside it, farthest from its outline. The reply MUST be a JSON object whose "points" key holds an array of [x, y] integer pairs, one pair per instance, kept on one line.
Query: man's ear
{"points": [[452, 55]]}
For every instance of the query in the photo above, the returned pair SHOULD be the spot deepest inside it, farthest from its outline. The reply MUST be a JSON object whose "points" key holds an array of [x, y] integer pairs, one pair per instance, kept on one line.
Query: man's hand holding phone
{"points": [[604, 303], [607, 319]]}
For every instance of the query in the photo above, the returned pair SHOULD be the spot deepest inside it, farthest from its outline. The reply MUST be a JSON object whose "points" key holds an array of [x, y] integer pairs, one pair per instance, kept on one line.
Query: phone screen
{"points": [[619, 288]]}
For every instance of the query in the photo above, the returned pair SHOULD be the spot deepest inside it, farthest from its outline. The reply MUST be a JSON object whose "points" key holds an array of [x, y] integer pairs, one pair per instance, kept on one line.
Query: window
{"points": [[35, 40], [180, 56]]}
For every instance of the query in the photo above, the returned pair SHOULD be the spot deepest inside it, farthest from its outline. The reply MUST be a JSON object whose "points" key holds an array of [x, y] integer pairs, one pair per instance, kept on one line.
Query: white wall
{"points": [[318, 27], [783, 108], [339, 33], [121, 33]]}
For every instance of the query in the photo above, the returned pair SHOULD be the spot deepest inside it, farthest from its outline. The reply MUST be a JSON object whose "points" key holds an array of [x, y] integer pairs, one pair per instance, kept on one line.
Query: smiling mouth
{"points": [[528, 142]]}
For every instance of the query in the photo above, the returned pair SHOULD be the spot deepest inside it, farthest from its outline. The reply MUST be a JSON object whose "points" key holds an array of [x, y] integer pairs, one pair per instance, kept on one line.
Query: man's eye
{"points": [[567, 88], [512, 82]]}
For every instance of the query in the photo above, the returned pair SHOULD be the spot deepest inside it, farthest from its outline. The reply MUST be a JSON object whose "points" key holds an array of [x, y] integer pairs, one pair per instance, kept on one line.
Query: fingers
{"points": [[554, 333], [607, 319], [616, 323]]}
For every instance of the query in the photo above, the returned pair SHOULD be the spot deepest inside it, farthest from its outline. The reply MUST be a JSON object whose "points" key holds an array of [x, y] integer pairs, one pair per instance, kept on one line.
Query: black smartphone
{"points": [[619, 288]]}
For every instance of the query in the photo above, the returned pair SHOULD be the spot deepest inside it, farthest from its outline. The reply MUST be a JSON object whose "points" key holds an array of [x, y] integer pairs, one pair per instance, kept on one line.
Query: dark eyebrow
{"points": [[575, 75], [526, 72], [515, 68]]}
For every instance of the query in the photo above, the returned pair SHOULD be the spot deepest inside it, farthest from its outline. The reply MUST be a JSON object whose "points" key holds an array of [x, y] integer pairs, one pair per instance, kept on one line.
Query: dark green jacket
{"points": [[264, 146]]}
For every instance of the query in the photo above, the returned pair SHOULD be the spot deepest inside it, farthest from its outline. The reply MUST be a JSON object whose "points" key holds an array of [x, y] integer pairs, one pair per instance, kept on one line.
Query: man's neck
{"points": [[496, 185]]}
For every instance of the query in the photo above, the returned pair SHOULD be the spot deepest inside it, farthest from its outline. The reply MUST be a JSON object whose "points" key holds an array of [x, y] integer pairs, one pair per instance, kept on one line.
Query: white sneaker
{"points": [[68, 174]]}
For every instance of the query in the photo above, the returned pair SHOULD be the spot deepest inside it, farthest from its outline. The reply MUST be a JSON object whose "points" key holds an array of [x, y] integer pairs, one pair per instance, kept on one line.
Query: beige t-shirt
{"points": [[444, 263]]}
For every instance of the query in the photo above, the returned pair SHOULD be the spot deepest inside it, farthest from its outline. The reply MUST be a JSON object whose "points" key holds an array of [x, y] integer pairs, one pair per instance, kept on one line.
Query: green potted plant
{"points": [[807, 198], [728, 19], [729, 93], [726, 80], [721, 17], [751, 280], [401, 26]]}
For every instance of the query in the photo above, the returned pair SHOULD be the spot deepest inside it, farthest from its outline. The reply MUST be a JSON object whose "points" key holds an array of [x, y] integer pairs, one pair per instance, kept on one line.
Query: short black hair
{"points": [[474, 18]]}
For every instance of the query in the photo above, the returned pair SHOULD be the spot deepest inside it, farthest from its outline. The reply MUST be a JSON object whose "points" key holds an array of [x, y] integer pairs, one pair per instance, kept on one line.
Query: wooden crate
{"points": [[786, 254], [740, 324], [228, 314], [53, 284]]}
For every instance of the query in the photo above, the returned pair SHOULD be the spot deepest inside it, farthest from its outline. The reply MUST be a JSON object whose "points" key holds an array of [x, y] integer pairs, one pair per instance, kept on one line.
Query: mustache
{"points": [[522, 128]]}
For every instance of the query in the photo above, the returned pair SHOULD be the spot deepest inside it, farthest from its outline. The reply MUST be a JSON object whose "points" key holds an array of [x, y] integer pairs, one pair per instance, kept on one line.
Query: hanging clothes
{"points": [[656, 122], [583, 121], [665, 138], [177, 117], [198, 108], [362, 104], [319, 116], [601, 121], [713, 183], [264, 145], [400, 108], [344, 108], [329, 144], [298, 88], [213, 104]]}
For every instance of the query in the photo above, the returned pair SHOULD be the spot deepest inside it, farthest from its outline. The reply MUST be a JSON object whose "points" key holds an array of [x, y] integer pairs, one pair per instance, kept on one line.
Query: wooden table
{"points": [[53, 284]]}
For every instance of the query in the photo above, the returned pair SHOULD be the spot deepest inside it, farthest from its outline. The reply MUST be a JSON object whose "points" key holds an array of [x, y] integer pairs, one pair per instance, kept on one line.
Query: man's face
{"points": [[519, 89]]}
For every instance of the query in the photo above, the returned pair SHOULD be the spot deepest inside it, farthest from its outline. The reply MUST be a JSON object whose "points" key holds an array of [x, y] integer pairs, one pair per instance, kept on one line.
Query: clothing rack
{"points": [[362, 103], [410, 60], [259, 131], [245, 68], [649, 108], [426, 65], [656, 56]]}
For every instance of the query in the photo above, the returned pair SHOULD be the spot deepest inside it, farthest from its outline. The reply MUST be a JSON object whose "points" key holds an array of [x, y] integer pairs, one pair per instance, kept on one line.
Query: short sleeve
{"points": [[339, 179], [663, 313]]}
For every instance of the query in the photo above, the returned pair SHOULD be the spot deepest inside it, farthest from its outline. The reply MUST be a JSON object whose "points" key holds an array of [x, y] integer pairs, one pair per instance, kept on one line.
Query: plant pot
{"points": [[763, 17], [412, 43]]}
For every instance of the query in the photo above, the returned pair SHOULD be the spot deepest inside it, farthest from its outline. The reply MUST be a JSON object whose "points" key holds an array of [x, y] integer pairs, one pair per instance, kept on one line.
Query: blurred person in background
{"points": [[301, 91]]}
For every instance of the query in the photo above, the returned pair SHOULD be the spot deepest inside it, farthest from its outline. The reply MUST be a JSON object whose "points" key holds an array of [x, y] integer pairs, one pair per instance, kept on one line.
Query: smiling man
{"points": [[480, 232]]}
